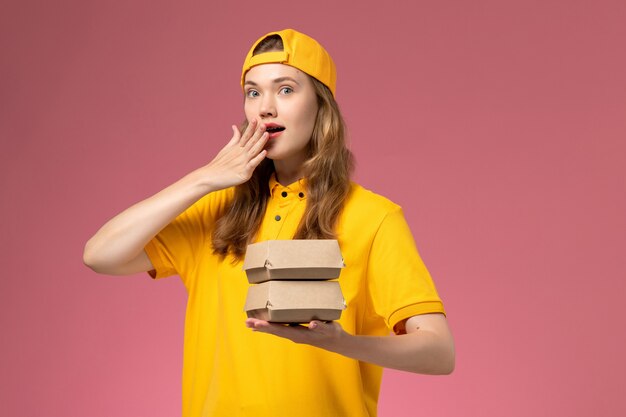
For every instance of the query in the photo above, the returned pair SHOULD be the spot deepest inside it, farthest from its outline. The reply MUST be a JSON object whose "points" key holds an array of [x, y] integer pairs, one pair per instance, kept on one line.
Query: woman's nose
{"points": [[268, 107]]}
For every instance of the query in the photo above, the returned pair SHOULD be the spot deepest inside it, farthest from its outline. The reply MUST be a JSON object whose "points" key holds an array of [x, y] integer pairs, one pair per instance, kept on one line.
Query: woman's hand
{"points": [[117, 248], [236, 162], [426, 348], [320, 334]]}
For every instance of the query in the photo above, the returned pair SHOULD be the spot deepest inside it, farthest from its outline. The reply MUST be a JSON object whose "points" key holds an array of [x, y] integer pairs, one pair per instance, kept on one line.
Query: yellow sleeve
{"points": [[176, 249], [399, 284]]}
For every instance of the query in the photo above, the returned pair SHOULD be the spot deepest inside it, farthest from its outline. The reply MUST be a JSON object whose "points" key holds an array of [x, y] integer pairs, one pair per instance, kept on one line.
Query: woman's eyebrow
{"points": [[283, 79], [275, 81]]}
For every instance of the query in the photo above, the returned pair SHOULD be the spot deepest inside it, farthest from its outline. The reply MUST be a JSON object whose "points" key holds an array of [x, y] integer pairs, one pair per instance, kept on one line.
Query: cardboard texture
{"points": [[295, 301], [293, 260]]}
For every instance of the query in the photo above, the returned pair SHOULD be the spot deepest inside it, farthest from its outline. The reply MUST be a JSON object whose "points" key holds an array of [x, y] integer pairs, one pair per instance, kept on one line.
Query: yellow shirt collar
{"points": [[298, 187]]}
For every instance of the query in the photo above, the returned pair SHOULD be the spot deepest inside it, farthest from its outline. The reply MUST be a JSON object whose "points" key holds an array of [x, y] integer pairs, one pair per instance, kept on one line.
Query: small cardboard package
{"points": [[295, 301], [293, 260]]}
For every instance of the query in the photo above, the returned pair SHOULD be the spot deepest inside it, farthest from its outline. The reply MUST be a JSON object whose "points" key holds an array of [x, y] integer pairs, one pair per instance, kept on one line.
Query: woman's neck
{"points": [[287, 173]]}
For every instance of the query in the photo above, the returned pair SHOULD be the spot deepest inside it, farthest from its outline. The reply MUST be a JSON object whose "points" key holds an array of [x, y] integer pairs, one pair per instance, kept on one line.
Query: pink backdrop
{"points": [[500, 126]]}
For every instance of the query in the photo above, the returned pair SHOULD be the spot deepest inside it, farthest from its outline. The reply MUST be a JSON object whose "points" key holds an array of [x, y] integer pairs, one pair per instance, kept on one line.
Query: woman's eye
{"points": [[286, 90], [252, 93]]}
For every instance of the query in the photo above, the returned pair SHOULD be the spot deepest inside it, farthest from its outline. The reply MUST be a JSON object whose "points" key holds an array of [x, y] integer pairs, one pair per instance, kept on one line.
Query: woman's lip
{"points": [[272, 135]]}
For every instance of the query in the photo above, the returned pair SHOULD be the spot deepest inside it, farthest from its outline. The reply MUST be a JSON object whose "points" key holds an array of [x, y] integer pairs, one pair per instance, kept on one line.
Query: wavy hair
{"points": [[327, 171]]}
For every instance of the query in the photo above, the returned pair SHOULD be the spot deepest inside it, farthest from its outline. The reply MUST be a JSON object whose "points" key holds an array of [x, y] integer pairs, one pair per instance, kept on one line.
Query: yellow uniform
{"points": [[232, 371]]}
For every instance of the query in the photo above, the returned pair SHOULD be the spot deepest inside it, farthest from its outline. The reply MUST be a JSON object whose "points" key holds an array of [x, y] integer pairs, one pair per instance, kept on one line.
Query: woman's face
{"points": [[283, 98]]}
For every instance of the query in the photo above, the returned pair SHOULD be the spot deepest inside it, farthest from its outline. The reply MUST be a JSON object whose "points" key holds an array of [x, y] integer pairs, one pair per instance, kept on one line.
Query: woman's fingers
{"points": [[255, 145], [258, 134], [254, 162], [246, 134], [236, 135], [252, 128], [236, 162]]}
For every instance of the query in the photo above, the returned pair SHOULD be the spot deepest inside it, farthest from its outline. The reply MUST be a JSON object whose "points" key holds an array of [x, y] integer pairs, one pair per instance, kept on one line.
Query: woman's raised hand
{"points": [[118, 247], [236, 162]]}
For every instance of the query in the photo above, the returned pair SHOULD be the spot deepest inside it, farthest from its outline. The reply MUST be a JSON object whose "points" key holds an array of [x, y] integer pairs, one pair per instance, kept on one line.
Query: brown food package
{"points": [[295, 301], [293, 260]]}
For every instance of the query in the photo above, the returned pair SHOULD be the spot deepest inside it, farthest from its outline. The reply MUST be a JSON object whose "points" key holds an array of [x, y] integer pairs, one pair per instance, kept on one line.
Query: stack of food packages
{"points": [[293, 280]]}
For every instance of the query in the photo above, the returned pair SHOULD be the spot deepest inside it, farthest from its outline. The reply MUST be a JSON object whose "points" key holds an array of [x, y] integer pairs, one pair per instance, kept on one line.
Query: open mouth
{"points": [[274, 129]]}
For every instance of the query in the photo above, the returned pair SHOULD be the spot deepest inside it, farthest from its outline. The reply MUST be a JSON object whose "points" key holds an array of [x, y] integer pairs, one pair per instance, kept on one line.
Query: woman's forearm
{"points": [[117, 248], [122, 239], [427, 348], [422, 352]]}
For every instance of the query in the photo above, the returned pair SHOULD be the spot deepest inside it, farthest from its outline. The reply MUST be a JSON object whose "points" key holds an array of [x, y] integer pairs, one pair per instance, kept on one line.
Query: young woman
{"points": [[285, 175]]}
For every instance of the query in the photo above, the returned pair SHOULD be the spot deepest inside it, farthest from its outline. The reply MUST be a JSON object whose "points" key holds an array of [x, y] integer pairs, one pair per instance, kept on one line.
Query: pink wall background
{"points": [[499, 125]]}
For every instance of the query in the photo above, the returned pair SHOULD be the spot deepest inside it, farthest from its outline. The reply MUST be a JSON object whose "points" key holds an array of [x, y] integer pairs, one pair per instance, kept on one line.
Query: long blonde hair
{"points": [[327, 171]]}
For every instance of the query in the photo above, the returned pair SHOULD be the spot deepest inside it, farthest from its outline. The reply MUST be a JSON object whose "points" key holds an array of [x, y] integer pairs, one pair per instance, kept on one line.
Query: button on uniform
{"points": [[286, 206]]}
